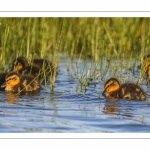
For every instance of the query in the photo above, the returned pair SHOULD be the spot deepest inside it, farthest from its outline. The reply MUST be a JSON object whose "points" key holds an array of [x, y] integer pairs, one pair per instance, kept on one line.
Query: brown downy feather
{"points": [[114, 91]]}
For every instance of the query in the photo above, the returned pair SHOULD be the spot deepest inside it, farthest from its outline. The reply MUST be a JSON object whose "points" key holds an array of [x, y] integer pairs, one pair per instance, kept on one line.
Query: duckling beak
{"points": [[15, 69], [3, 85]]}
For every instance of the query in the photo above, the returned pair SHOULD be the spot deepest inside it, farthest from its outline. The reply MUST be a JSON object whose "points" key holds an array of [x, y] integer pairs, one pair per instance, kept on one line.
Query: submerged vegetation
{"points": [[115, 45]]}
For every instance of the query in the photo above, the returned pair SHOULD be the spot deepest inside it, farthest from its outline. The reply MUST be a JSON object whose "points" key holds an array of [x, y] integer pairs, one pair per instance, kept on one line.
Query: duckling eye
{"points": [[110, 85], [11, 79], [18, 64]]}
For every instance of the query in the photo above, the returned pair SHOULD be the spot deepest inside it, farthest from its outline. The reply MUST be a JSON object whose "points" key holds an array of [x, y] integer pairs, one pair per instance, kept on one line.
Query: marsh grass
{"points": [[114, 45]]}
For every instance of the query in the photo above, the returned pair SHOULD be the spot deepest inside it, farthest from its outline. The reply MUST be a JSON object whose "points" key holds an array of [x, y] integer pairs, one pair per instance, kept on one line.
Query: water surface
{"points": [[70, 110]]}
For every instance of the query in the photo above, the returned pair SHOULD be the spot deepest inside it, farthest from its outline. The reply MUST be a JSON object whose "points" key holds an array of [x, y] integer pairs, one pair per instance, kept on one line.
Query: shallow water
{"points": [[71, 111]]}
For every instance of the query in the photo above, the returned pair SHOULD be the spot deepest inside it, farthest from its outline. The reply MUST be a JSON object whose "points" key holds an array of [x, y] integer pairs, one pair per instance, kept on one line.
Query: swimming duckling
{"points": [[114, 91], [16, 83], [38, 66]]}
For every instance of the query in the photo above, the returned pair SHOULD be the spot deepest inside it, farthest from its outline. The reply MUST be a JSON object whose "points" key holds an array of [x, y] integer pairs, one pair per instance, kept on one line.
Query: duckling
{"points": [[16, 83], [38, 66], [114, 90]]}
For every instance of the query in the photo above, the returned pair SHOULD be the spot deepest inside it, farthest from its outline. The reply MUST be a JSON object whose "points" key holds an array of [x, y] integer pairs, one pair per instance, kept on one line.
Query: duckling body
{"points": [[42, 64], [16, 83], [114, 91]]}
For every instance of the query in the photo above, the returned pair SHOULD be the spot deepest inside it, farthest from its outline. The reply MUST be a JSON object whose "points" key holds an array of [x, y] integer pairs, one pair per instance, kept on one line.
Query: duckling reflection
{"points": [[114, 90], [110, 108], [11, 97]]}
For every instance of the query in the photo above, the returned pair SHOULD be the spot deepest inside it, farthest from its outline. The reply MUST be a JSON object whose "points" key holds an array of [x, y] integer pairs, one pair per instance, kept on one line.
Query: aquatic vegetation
{"points": [[114, 45]]}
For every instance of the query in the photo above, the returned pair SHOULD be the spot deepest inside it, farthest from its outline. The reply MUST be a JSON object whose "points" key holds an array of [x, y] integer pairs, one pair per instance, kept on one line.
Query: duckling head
{"points": [[12, 79], [111, 88], [19, 63]]}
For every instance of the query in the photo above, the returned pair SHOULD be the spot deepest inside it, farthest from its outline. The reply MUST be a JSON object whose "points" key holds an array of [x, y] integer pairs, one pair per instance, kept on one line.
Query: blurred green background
{"points": [[91, 37]]}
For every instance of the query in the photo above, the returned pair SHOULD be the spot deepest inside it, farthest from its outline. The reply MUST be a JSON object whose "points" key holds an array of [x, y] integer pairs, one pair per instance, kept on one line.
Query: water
{"points": [[68, 110]]}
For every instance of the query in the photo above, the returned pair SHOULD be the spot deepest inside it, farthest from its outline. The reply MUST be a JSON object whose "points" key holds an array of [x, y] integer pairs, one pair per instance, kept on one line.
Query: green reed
{"points": [[108, 42], [39, 36]]}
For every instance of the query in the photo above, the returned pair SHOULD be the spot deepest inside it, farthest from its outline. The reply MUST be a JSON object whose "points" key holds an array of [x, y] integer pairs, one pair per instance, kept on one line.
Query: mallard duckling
{"points": [[114, 90], [16, 83], [38, 66]]}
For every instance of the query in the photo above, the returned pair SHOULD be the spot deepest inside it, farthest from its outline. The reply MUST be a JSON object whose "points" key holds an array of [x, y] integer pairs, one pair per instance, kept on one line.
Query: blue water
{"points": [[70, 110]]}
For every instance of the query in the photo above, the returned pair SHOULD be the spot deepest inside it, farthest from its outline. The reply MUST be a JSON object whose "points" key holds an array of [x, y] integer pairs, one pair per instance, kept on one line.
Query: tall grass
{"points": [[96, 39]]}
